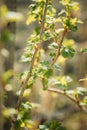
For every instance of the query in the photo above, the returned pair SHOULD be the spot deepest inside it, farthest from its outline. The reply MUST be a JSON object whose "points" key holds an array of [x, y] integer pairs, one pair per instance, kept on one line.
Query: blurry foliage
{"points": [[54, 125], [6, 78], [9, 112], [6, 17], [7, 36], [9, 16], [84, 50]]}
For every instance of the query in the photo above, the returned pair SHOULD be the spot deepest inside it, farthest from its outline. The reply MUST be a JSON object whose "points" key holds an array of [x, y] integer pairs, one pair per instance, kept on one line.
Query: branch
{"points": [[69, 96], [23, 86], [59, 46], [43, 20], [26, 80]]}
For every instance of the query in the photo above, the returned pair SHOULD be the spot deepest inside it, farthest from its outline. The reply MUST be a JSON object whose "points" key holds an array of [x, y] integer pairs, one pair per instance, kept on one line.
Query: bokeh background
{"points": [[13, 36]]}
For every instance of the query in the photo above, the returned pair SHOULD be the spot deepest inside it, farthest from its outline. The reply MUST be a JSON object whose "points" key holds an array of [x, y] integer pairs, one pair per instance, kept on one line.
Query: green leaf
{"points": [[81, 90], [75, 94], [26, 106], [56, 125], [49, 73], [33, 7], [53, 45], [17, 124], [65, 52], [61, 12], [57, 66], [68, 52], [73, 28], [79, 21], [53, 54], [84, 79], [84, 50], [47, 35], [30, 19], [37, 30], [45, 63], [60, 81], [26, 115], [45, 126], [71, 23], [62, 86], [26, 58], [52, 26], [46, 75], [84, 101], [45, 84]]}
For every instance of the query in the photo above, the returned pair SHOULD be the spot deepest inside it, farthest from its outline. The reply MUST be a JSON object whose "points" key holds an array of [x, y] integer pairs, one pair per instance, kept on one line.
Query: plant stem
{"points": [[43, 20], [26, 80], [23, 86], [59, 46], [69, 96]]}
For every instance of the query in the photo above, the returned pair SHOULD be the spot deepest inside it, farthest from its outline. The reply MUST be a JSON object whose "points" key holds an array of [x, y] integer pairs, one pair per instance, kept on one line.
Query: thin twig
{"points": [[62, 93], [59, 46], [43, 20], [68, 96], [26, 80], [23, 86]]}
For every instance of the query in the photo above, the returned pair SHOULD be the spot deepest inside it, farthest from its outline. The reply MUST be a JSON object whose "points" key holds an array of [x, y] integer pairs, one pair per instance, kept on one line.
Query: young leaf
{"points": [[84, 101], [56, 125], [53, 45], [68, 52], [81, 90], [30, 19], [57, 66], [26, 106], [84, 50]]}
